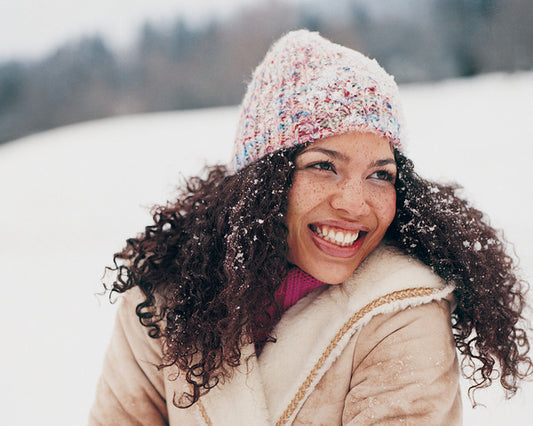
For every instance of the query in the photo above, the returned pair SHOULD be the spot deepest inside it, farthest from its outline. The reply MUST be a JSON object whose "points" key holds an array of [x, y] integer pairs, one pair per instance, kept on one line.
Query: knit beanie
{"points": [[308, 88]]}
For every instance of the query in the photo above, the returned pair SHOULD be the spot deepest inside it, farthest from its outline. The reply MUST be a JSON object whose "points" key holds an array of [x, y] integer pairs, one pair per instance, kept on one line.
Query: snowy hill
{"points": [[71, 196]]}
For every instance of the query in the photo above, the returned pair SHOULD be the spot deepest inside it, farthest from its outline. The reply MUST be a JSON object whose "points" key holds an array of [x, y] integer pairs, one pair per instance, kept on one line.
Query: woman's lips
{"points": [[335, 249]]}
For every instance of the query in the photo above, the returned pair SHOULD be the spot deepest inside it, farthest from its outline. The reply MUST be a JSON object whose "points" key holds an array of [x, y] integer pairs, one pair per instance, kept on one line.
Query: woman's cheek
{"points": [[391, 211], [384, 202]]}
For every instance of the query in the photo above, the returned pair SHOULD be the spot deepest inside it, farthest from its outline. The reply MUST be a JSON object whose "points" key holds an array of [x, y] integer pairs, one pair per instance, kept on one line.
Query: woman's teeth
{"points": [[336, 236]]}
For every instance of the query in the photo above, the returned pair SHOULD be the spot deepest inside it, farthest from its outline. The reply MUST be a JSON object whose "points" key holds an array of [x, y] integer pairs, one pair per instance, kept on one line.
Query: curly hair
{"points": [[211, 262], [209, 267], [456, 240]]}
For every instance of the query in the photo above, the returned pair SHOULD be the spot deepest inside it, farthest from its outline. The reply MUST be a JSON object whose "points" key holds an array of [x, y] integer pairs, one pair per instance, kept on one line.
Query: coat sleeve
{"points": [[131, 387], [405, 370]]}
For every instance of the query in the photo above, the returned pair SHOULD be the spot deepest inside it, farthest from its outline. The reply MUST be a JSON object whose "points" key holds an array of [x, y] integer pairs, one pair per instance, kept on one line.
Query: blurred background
{"points": [[71, 61], [106, 105]]}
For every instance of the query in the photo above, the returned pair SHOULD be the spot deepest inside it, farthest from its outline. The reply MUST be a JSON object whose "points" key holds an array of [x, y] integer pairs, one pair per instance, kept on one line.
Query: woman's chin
{"points": [[329, 272]]}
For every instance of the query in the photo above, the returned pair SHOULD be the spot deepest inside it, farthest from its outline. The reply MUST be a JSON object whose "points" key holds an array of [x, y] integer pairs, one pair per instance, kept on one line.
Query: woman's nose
{"points": [[351, 198]]}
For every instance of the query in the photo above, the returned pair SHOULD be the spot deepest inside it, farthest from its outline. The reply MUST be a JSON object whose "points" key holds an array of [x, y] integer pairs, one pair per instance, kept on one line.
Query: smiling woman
{"points": [[341, 204], [315, 280]]}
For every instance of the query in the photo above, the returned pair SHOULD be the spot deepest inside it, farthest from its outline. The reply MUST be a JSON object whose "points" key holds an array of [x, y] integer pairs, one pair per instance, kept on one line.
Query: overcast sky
{"points": [[32, 28]]}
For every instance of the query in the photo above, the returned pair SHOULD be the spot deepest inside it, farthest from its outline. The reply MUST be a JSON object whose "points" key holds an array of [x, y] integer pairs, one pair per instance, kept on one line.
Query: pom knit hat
{"points": [[308, 88]]}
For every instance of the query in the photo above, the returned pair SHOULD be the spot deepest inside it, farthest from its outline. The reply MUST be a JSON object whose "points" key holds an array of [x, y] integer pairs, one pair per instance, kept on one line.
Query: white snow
{"points": [[70, 197]]}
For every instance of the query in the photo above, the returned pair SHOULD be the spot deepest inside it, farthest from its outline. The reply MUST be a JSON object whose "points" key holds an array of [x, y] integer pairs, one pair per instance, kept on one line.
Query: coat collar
{"points": [[312, 334]]}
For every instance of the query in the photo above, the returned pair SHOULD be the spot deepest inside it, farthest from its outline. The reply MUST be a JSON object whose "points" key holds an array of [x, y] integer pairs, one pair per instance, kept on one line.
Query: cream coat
{"points": [[377, 349]]}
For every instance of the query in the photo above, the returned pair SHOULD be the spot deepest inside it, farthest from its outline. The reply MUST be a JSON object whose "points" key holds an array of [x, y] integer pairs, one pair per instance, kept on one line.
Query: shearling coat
{"points": [[377, 349]]}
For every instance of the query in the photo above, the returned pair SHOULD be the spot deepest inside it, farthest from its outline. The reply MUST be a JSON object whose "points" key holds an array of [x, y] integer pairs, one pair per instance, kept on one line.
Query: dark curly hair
{"points": [[211, 262], [456, 240]]}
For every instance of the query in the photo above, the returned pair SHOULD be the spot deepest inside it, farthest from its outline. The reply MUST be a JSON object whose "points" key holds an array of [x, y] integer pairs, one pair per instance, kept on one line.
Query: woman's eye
{"points": [[327, 166], [384, 175]]}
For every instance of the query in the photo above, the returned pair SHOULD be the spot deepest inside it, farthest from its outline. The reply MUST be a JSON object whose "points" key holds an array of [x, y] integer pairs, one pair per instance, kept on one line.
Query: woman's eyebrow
{"points": [[334, 154], [339, 156], [384, 162]]}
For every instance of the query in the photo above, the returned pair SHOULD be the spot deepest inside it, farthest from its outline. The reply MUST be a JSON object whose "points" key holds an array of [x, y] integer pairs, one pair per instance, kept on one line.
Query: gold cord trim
{"points": [[389, 298], [205, 416]]}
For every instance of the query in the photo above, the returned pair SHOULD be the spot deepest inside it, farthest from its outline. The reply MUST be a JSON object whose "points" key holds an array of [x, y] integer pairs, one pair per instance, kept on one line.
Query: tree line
{"points": [[181, 66]]}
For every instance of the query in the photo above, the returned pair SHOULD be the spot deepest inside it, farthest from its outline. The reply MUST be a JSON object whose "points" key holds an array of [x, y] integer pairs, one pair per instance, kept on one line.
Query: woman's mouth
{"points": [[337, 236]]}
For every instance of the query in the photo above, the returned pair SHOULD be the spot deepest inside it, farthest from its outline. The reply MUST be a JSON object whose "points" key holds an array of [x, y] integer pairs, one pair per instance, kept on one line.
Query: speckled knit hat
{"points": [[308, 88]]}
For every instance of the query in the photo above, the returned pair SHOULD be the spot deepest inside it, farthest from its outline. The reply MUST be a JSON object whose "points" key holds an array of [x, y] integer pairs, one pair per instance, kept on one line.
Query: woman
{"points": [[318, 279]]}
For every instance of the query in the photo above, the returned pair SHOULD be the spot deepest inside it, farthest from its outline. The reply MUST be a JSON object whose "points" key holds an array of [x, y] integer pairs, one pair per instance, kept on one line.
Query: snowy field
{"points": [[70, 197]]}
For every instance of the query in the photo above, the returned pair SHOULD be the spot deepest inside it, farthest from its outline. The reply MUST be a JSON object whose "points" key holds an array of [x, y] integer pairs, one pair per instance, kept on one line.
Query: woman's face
{"points": [[341, 203]]}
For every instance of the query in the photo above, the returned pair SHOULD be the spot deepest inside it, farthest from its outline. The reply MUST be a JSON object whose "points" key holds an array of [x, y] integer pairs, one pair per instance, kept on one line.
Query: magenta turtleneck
{"points": [[296, 285]]}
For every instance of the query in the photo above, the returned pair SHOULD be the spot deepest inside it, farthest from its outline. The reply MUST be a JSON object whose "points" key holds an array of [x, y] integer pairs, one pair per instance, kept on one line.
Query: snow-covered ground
{"points": [[69, 198]]}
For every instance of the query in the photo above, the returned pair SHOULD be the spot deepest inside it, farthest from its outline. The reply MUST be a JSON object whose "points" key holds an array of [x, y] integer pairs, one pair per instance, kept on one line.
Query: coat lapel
{"points": [[241, 399], [302, 334]]}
